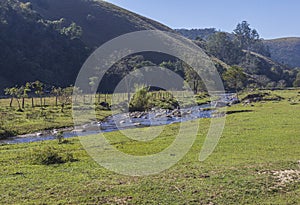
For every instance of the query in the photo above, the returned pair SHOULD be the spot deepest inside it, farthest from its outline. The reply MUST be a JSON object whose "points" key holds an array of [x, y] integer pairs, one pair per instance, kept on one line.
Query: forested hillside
{"points": [[282, 50], [49, 40], [100, 21], [32, 47]]}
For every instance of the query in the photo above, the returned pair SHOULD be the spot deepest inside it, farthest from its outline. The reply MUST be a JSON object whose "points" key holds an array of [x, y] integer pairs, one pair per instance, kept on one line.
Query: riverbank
{"points": [[49, 117], [36, 119], [43, 120]]}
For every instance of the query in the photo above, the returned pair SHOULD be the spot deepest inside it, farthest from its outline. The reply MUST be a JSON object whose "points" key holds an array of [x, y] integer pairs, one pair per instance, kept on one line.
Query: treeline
{"points": [[37, 89]]}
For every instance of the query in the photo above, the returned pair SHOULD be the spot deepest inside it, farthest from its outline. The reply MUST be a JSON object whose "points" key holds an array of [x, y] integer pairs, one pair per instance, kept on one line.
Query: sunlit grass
{"points": [[263, 138]]}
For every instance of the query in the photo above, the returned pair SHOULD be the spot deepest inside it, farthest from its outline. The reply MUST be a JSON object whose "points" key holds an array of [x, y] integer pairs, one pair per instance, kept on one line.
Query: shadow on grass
{"points": [[237, 111], [4, 134]]}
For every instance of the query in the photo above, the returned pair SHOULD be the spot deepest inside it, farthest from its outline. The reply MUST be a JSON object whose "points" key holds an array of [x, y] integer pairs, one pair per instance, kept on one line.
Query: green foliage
{"points": [[39, 89], [73, 31], [65, 96], [32, 48], [194, 80], [235, 78], [140, 100], [221, 46], [15, 92], [248, 39], [50, 155]]}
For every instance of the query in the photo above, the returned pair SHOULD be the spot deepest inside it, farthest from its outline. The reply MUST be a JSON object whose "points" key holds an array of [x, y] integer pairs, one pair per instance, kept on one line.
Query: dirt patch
{"points": [[283, 178]]}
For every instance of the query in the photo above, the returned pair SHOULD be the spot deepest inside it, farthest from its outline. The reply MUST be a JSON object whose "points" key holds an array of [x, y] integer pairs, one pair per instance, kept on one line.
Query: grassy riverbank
{"points": [[259, 143], [49, 116], [37, 118]]}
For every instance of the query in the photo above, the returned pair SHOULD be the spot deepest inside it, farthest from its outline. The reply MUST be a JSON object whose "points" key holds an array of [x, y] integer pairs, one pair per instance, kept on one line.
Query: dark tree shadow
{"points": [[237, 111]]}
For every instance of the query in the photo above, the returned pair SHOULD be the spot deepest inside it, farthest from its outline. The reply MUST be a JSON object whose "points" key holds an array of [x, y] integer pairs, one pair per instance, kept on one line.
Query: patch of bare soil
{"points": [[283, 178]]}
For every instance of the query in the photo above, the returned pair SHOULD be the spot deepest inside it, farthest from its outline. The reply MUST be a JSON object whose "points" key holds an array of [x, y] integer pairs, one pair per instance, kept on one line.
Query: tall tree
{"points": [[221, 46], [25, 89], [245, 36], [65, 97], [56, 91], [235, 78], [194, 80], [248, 39], [15, 92], [39, 90], [9, 92]]}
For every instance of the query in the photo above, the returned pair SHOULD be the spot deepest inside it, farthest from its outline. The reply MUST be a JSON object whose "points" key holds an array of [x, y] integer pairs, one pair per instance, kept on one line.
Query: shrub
{"points": [[50, 155], [140, 101]]}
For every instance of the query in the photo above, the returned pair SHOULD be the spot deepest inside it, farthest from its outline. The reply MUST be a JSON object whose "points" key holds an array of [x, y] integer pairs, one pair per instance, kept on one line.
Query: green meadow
{"points": [[257, 161]]}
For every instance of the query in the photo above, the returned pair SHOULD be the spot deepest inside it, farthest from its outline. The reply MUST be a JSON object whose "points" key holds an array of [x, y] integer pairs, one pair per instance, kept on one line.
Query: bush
{"points": [[50, 155], [140, 101]]}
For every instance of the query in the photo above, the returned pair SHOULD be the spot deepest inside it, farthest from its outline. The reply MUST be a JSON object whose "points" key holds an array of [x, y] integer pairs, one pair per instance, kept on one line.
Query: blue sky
{"points": [[271, 18]]}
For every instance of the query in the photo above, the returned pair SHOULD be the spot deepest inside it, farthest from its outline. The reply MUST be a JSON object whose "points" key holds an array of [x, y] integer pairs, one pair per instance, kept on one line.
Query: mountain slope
{"points": [[285, 50], [100, 21], [49, 40], [31, 49]]}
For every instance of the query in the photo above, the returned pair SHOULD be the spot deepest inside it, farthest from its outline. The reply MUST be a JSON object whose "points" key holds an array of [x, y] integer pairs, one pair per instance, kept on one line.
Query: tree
{"points": [[16, 93], [194, 80], [221, 46], [140, 100], [235, 78], [297, 80], [39, 90], [8, 91], [56, 92], [25, 89], [245, 36], [65, 97], [262, 80], [248, 39]]}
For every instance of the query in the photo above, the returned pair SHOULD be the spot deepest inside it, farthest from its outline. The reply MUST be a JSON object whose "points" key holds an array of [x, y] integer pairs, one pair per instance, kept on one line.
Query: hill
{"points": [[285, 50], [49, 40], [100, 21]]}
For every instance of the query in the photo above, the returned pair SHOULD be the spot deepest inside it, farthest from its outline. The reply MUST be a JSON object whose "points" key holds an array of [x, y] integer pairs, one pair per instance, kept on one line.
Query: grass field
{"points": [[257, 161]]}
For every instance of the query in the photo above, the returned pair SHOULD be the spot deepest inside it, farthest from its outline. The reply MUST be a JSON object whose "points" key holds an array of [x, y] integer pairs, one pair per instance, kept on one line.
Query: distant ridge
{"points": [[285, 50]]}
